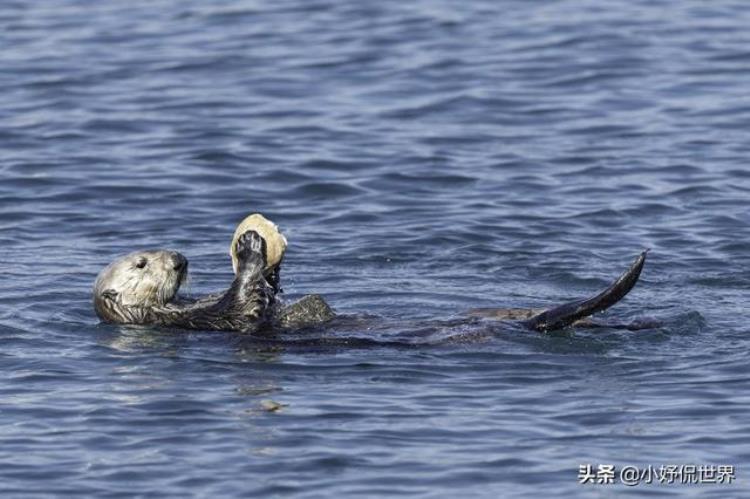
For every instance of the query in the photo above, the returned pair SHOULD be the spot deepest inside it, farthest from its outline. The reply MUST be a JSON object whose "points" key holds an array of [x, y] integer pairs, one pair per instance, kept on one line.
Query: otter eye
{"points": [[141, 263]]}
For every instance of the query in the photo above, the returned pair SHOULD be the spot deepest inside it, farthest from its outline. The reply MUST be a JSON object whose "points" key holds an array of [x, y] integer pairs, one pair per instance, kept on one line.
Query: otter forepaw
{"points": [[251, 247]]}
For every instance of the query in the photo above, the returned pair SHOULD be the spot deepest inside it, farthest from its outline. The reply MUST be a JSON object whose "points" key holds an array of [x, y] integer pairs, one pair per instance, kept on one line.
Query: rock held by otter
{"points": [[275, 240]]}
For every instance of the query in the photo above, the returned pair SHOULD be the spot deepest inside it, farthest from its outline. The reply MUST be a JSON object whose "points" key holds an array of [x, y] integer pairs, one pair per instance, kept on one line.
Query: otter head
{"points": [[138, 281]]}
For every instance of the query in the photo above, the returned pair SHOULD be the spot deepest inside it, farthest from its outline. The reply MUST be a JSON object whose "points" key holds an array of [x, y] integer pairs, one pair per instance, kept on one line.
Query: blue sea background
{"points": [[423, 158]]}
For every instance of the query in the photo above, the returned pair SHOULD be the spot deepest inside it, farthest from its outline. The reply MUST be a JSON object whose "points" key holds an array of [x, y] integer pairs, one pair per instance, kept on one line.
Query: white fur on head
{"points": [[139, 279]]}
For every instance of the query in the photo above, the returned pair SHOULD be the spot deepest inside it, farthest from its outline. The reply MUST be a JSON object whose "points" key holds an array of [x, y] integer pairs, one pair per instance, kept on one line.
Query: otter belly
{"points": [[309, 311]]}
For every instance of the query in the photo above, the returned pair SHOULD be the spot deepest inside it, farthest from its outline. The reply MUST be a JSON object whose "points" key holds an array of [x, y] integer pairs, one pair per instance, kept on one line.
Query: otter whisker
{"points": [[185, 279]]}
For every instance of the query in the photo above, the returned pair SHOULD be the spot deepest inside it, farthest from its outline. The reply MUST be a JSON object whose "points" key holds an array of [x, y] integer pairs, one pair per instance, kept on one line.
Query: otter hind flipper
{"points": [[568, 313]]}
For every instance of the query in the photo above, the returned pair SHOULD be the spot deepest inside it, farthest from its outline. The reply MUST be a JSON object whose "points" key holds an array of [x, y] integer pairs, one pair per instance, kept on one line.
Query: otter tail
{"points": [[566, 314]]}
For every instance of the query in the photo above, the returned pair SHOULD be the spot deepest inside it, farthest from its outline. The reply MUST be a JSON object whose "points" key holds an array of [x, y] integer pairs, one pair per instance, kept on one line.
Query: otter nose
{"points": [[179, 262]]}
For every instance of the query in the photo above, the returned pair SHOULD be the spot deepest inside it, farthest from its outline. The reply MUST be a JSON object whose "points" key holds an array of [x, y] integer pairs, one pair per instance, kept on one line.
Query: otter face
{"points": [[140, 280]]}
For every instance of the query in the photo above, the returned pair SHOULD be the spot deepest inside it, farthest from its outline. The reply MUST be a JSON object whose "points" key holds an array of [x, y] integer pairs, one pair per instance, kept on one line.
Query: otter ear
{"points": [[109, 294]]}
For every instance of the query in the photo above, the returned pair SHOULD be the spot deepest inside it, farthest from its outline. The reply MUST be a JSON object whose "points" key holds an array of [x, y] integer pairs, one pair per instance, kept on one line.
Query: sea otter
{"points": [[141, 288]]}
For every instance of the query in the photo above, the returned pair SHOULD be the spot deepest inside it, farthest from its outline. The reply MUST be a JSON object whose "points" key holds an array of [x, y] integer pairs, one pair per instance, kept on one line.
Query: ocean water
{"points": [[423, 158]]}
